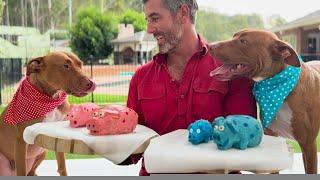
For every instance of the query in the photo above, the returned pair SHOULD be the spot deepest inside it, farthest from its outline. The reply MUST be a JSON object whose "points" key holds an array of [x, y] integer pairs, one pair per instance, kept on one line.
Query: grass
{"points": [[7, 90], [99, 99], [296, 147], [51, 156]]}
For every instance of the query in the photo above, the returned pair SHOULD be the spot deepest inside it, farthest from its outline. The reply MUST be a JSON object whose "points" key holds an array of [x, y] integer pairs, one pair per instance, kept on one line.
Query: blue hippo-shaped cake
{"points": [[200, 132], [237, 131]]}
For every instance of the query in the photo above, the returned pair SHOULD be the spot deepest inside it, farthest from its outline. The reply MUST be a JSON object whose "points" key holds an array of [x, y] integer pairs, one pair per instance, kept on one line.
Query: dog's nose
{"points": [[86, 82], [88, 85]]}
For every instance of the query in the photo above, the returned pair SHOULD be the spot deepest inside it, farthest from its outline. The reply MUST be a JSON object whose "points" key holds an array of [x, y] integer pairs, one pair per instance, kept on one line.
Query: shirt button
{"points": [[182, 96]]}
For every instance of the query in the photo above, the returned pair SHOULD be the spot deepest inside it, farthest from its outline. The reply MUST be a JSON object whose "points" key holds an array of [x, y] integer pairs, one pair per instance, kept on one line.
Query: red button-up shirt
{"points": [[165, 105]]}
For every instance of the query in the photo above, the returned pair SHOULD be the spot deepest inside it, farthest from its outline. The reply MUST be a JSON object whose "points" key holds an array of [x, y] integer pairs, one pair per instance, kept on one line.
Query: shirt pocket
{"points": [[208, 99], [153, 103]]}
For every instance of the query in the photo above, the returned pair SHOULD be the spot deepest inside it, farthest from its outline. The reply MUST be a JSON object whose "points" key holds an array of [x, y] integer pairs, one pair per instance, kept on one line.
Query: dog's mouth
{"points": [[85, 91], [227, 72]]}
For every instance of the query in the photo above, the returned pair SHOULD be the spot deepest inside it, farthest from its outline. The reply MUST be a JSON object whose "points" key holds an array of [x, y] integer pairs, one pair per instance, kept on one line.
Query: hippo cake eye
{"points": [[191, 130], [215, 127], [101, 114], [95, 114], [198, 131], [221, 128]]}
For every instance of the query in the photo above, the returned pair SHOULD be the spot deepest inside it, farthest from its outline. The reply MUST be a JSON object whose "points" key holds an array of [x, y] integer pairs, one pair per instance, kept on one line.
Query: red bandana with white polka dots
{"points": [[29, 103]]}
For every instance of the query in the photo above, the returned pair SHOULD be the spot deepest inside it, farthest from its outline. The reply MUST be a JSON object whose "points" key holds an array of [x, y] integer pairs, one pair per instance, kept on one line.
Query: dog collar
{"points": [[29, 103], [271, 93]]}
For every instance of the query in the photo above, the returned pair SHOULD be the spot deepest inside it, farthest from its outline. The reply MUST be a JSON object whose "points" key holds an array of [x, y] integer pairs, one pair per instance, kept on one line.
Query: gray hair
{"points": [[174, 5]]}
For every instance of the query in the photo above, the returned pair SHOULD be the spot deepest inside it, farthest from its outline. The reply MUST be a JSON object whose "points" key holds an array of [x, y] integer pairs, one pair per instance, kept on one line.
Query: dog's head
{"points": [[252, 53], [60, 71]]}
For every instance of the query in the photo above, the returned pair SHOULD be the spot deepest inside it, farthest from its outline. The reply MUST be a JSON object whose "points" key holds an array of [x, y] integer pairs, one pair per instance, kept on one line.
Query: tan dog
{"points": [[52, 74], [260, 55]]}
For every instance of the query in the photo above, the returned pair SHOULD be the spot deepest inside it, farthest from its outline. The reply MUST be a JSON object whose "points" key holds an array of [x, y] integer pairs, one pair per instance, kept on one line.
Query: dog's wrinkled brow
{"points": [[236, 34], [241, 33]]}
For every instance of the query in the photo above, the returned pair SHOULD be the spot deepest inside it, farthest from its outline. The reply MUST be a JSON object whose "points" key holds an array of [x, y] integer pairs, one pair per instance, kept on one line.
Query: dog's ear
{"points": [[282, 51], [35, 65]]}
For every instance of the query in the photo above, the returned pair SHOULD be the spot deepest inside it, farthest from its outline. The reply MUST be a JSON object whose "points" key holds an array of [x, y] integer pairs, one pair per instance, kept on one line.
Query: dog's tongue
{"points": [[223, 72]]}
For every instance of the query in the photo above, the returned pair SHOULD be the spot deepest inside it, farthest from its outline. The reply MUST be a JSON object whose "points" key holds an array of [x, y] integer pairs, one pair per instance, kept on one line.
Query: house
{"points": [[133, 48], [303, 34], [17, 45], [22, 42]]}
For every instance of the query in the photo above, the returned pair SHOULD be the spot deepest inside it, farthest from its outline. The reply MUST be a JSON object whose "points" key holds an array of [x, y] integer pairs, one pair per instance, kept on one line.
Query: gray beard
{"points": [[172, 44]]}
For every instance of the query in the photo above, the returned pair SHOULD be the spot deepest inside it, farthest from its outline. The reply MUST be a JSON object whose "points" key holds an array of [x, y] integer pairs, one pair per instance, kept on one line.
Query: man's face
{"points": [[165, 27]]}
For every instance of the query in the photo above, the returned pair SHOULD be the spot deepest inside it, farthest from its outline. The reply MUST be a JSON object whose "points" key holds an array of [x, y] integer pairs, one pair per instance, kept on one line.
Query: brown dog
{"points": [[259, 55], [52, 74]]}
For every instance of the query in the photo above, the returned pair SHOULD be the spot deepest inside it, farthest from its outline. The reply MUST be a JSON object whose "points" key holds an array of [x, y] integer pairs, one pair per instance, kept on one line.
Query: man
{"points": [[175, 89]]}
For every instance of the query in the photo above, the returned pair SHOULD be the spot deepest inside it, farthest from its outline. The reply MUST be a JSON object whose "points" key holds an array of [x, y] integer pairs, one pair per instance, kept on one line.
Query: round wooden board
{"points": [[72, 145]]}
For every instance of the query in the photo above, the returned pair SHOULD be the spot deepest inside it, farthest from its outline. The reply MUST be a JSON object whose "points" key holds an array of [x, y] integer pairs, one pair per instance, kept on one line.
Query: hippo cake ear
{"points": [[281, 50], [234, 129]]}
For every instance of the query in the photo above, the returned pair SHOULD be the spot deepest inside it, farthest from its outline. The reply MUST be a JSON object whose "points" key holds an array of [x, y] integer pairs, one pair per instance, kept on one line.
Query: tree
{"points": [[214, 26], [92, 33], [275, 20], [1, 10], [7, 14], [135, 18]]}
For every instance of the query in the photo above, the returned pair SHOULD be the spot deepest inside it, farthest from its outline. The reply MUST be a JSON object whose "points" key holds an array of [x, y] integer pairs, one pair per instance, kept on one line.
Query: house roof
{"points": [[310, 19], [18, 30], [8, 50], [137, 37]]}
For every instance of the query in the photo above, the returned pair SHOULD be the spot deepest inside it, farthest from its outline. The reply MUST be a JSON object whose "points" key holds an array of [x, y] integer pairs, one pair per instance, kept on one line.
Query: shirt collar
{"points": [[203, 50]]}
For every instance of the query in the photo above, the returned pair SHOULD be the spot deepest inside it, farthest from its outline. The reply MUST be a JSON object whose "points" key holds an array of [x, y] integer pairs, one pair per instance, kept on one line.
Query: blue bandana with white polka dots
{"points": [[270, 93]]}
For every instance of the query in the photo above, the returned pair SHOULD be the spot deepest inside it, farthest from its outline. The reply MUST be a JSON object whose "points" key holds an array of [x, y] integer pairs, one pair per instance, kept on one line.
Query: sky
{"points": [[288, 9]]}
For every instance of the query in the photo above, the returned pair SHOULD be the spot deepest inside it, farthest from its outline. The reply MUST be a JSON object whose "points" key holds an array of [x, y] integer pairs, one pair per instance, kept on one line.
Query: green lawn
{"points": [[99, 99], [51, 156], [296, 147]]}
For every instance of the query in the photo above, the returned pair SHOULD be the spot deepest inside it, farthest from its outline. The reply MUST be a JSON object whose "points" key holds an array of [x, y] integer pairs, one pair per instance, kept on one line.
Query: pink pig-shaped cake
{"points": [[80, 114], [112, 119]]}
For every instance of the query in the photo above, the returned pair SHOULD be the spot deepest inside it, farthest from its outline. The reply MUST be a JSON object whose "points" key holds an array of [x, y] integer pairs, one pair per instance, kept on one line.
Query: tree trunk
{"points": [[37, 14], [7, 21], [25, 12], [22, 12], [33, 13], [50, 15]]}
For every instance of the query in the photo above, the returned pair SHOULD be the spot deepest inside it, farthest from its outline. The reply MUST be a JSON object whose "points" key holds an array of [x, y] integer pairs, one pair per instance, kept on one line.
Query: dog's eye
{"points": [[66, 66], [243, 41]]}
